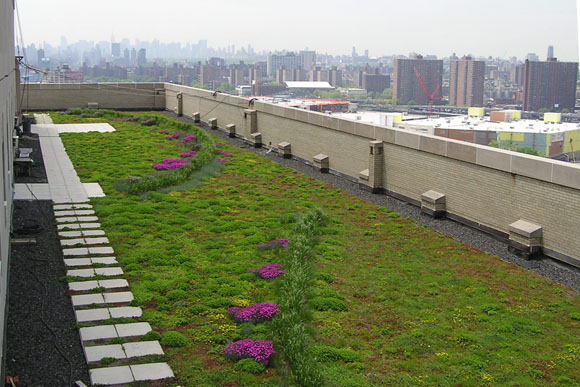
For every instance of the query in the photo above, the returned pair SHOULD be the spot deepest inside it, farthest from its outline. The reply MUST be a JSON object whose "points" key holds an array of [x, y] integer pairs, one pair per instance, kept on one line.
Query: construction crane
{"points": [[431, 96]]}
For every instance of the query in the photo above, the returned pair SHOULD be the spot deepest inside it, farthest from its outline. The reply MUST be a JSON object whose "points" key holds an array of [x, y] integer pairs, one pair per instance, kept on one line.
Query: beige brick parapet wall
{"points": [[484, 187], [60, 96]]}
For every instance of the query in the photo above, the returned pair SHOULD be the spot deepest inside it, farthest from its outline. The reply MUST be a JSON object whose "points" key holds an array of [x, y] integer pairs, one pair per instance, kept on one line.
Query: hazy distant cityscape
{"points": [[244, 71]]}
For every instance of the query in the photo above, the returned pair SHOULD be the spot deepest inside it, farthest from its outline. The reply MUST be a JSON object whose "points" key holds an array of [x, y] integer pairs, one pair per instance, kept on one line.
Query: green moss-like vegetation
{"points": [[421, 308]]}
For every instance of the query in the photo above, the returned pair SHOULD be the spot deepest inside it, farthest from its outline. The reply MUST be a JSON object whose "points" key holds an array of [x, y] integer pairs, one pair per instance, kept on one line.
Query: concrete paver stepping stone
{"points": [[70, 234], [85, 273], [77, 226], [113, 283], [83, 286], [126, 311], [118, 297], [101, 250], [132, 329], [96, 353], [72, 242], [97, 241], [71, 262], [84, 241], [88, 315], [152, 371], [67, 219], [75, 251], [142, 348], [74, 212], [59, 207], [111, 375], [90, 233], [109, 271], [99, 332], [82, 219], [104, 260], [87, 299]]}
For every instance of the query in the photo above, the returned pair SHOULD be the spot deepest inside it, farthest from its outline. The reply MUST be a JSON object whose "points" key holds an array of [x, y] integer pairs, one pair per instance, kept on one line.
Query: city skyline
{"points": [[500, 29]]}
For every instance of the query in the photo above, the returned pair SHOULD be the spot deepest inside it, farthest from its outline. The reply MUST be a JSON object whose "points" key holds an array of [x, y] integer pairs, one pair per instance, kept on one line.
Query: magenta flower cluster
{"points": [[260, 351], [281, 242], [225, 154], [253, 313], [166, 164], [187, 138], [164, 132], [188, 153], [268, 271], [223, 160], [174, 136], [129, 119]]}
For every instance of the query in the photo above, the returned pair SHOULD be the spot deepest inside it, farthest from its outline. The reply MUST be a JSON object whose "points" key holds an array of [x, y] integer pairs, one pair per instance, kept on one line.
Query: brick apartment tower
{"points": [[406, 86], [466, 78], [549, 83]]}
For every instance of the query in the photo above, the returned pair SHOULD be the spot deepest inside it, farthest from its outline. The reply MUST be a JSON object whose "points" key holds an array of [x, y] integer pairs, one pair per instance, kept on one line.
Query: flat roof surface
{"points": [[308, 85], [484, 124]]}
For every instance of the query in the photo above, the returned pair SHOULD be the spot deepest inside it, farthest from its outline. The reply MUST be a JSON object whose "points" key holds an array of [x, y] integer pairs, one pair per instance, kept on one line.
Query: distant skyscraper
{"points": [[141, 57], [406, 85], [308, 59], [466, 77], [116, 50], [39, 56], [133, 57], [532, 57], [550, 52], [549, 84]]}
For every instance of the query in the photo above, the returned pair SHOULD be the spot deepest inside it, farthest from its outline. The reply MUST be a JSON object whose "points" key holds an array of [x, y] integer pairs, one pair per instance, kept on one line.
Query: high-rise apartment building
{"points": [[406, 85], [308, 59], [375, 82], [466, 79], [549, 84], [290, 61]]}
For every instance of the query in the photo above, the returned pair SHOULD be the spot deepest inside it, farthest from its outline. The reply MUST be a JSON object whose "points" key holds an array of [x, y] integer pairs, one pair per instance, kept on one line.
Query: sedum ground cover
{"points": [[392, 302]]}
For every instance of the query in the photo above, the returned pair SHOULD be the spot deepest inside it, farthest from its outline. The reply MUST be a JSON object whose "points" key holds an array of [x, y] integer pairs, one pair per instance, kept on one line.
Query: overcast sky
{"points": [[501, 28]]}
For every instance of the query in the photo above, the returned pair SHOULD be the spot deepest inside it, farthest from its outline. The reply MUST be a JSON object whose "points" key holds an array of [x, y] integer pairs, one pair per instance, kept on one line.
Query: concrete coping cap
{"points": [[433, 197], [230, 126], [256, 135], [284, 145], [526, 229], [364, 175], [321, 157]]}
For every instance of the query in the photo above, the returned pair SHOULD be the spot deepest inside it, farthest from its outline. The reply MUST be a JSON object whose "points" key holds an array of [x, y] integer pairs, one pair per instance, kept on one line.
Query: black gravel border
{"points": [[43, 345], [544, 266]]}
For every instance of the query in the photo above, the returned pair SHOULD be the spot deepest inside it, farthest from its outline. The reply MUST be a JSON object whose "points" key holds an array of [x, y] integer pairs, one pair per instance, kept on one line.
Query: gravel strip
{"points": [[544, 266], [43, 346]]}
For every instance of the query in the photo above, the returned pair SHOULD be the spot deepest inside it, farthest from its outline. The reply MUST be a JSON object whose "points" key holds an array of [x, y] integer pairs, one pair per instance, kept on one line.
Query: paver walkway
{"points": [[89, 260]]}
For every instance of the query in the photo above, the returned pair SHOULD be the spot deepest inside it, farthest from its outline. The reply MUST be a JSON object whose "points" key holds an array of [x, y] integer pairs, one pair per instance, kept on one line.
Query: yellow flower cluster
{"points": [[241, 303]]}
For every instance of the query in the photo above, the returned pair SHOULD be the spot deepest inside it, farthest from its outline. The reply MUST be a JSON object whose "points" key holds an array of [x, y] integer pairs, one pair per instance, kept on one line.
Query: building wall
{"points": [[549, 83], [7, 113], [406, 85], [107, 95], [466, 79]]}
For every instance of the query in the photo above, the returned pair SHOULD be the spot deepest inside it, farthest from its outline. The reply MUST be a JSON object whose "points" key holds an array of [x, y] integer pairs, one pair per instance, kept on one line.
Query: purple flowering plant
{"points": [[225, 154], [188, 153], [260, 351], [253, 313], [280, 242], [268, 271], [167, 164], [187, 138], [223, 160]]}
